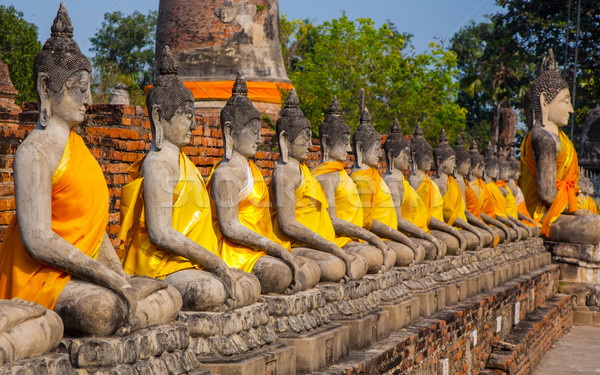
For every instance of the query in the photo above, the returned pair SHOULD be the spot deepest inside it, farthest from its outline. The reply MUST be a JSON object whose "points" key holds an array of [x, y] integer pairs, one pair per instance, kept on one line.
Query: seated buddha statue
{"points": [[379, 211], [300, 206], [549, 165], [241, 206], [411, 213], [56, 251], [586, 186], [428, 191], [454, 202], [478, 197], [343, 201], [166, 220], [518, 194], [498, 199]]}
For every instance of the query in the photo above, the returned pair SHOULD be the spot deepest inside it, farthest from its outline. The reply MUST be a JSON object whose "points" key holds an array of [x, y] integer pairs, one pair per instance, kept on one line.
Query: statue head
{"points": [[293, 130], [548, 98], [477, 163], [62, 75], [491, 162], [444, 156], [334, 134], [515, 165], [240, 122], [421, 152], [366, 141], [397, 148], [463, 159], [505, 169], [585, 183], [170, 105]]}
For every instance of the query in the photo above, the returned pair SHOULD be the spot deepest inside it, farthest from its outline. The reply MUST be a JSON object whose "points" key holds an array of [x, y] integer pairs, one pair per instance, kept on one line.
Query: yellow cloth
{"points": [[497, 199], [431, 196], [587, 203], [567, 177], [511, 202], [413, 209], [191, 216], [79, 216], [348, 205], [472, 200], [375, 197], [253, 213], [311, 211], [454, 204]]}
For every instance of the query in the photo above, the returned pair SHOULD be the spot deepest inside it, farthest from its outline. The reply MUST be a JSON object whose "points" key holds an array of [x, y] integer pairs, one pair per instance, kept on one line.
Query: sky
{"points": [[425, 19]]}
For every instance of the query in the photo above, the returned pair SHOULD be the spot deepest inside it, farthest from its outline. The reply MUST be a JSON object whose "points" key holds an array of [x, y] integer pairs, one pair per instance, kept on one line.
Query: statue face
{"points": [[372, 154], [516, 174], [424, 161], [402, 161], [70, 104], [463, 168], [339, 147], [560, 108], [492, 172], [301, 145], [477, 169], [504, 173], [178, 131], [246, 142], [447, 166]]}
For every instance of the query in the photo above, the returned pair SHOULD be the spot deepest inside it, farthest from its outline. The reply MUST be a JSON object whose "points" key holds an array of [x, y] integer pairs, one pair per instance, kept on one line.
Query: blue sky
{"points": [[425, 19]]}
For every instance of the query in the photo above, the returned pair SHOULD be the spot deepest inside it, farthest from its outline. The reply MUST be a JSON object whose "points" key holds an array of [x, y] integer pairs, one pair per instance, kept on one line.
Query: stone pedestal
{"points": [[276, 358], [51, 364]]}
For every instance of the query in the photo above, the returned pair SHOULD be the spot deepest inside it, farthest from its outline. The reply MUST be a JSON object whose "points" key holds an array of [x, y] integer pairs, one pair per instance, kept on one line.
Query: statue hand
{"points": [[224, 273], [481, 239], [288, 259], [130, 298], [441, 248], [462, 242]]}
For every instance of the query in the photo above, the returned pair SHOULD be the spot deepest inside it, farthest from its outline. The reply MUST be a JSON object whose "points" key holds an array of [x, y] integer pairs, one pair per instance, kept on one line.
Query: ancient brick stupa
{"points": [[212, 40]]}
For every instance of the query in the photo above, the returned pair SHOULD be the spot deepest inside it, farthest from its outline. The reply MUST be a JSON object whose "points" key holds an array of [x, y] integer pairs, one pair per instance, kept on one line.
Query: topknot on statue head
{"points": [[365, 134], [333, 126], [60, 57], [548, 82], [421, 149], [443, 150], [167, 91], [291, 119], [395, 142], [239, 110], [512, 160], [489, 157], [476, 156], [462, 155]]}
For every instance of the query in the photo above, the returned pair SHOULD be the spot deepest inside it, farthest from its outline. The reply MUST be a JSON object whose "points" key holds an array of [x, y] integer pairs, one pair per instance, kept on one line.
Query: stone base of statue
{"points": [[395, 298], [580, 277], [302, 321], [160, 349], [50, 364]]}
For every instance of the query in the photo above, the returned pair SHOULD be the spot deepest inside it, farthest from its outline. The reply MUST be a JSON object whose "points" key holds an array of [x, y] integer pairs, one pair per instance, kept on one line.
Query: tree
{"points": [[124, 51], [18, 47], [342, 56]]}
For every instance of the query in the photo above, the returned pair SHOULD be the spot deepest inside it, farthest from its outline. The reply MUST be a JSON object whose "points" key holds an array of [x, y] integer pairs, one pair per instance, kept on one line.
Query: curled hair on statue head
{"points": [[462, 154], [365, 134], [395, 143], [419, 147], [490, 159], [333, 126], [442, 151], [239, 110], [291, 119]]}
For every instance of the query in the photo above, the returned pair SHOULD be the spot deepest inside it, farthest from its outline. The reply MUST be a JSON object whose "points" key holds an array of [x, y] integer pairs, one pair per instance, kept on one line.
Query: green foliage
{"points": [[18, 47], [342, 56], [260, 8], [124, 51]]}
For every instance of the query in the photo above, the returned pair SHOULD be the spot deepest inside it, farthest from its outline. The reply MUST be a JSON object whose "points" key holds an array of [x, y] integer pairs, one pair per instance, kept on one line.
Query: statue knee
{"points": [[96, 314], [206, 294], [274, 275], [404, 254], [430, 251], [310, 273], [372, 255], [247, 288], [472, 240], [333, 269]]}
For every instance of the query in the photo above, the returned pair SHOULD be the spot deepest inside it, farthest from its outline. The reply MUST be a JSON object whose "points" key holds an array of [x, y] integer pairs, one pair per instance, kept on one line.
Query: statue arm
{"points": [[544, 151], [443, 227], [523, 217], [108, 256], [491, 221], [466, 226], [388, 232], [474, 220]]}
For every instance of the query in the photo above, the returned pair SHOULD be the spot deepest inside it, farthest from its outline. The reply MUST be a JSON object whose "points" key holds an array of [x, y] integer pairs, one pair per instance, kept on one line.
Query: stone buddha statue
{"points": [[166, 220], [411, 212], [549, 167], [344, 203], [56, 251], [241, 206], [497, 198], [586, 186], [518, 194], [454, 209], [300, 214], [422, 159]]}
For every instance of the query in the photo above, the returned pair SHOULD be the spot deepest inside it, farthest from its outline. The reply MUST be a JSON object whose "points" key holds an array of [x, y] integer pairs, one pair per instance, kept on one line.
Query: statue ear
{"points": [[325, 148], [543, 107], [43, 89], [389, 160], [413, 162], [358, 153], [158, 126], [227, 131], [283, 146]]}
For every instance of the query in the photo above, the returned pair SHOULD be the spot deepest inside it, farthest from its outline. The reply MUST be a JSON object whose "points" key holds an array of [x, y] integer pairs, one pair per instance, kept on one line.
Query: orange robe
{"points": [[486, 205], [454, 204], [430, 194], [376, 198], [511, 202], [191, 216], [79, 216], [498, 200], [413, 209], [567, 177], [472, 200], [254, 213], [311, 211], [348, 205]]}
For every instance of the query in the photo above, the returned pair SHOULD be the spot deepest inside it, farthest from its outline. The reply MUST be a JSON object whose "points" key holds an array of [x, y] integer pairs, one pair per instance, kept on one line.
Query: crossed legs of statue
{"points": [[452, 245], [576, 229], [371, 254], [89, 309], [275, 276], [429, 247], [204, 291], [333, 268], [472, 239]]}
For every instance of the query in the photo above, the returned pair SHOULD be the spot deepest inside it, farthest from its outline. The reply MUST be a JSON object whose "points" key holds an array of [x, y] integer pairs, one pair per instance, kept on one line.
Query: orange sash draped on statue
{"points": [[454, 204], [79, 216], [472, 200], [413, 209], [567, 177], [376, 198], [430, 195], [498, 200]]}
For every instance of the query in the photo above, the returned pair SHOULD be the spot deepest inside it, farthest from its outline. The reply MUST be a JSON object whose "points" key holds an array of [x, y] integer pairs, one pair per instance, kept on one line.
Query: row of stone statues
{"points": [[218, 246]]}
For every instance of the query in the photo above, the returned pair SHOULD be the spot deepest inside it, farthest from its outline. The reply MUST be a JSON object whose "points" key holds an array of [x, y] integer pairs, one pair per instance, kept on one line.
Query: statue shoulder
{"points": [[541, 140]]}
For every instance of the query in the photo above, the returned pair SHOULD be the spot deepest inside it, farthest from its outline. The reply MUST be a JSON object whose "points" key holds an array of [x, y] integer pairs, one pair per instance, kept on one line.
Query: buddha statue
{"points": [[586, 186], [27, 330], [241, 206], [300, 206], [518, 194], [344, 202], [379, 211], [56, 251], [422, 159], [454, 209], [411, 212], [549, 166], [166, 220], [498, 199]]}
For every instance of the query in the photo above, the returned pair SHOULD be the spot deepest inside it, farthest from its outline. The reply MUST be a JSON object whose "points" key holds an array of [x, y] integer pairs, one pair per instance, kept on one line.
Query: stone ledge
{"points": [[50, 364], [575, 253]]}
